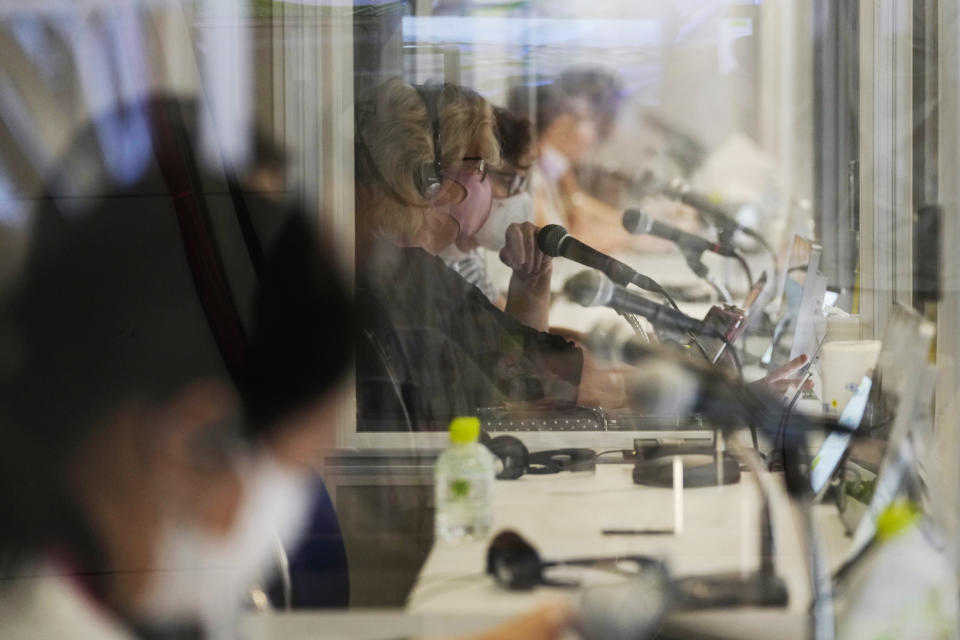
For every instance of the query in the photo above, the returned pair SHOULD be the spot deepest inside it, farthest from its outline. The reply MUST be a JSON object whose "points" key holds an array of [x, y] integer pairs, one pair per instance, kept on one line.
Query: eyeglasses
{"points": [[512, 182], [453, 192], [472, 164]]}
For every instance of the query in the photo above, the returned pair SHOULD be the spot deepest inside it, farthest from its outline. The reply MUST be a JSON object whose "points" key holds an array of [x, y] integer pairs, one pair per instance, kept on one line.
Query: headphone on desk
{"points": [[516, 565], [515, 460]]}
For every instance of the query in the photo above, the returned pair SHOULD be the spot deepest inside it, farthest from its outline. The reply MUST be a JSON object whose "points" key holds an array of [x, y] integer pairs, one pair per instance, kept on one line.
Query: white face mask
{"points": [[202, 577], [505, 211], [553, 163]]}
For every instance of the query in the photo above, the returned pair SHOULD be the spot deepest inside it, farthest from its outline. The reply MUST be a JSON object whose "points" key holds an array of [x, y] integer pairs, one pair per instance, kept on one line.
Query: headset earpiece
{"points": [[511, 454], [515, 460], [513, 562], [557, 460], [428, 177]]}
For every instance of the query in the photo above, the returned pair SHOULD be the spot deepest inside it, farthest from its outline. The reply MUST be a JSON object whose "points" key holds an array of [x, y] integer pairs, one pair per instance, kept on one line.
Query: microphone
{"points": [[592, 289], [718, 214], [680, 190], [639, 223], [555, 241]]}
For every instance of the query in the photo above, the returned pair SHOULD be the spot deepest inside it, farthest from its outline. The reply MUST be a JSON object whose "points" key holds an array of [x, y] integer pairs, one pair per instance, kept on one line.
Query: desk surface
{"points": [[563, 516]]}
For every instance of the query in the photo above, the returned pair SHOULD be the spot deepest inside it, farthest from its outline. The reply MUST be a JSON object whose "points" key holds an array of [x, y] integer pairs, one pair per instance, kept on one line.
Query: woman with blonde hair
{"points": [[422, 160]]}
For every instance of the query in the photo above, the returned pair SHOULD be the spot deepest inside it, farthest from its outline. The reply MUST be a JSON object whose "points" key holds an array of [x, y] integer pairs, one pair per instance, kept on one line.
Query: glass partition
{"points": [[625, 236]]}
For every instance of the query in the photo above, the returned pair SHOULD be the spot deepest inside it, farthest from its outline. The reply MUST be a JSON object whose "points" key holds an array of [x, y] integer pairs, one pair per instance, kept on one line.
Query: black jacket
{"points": [[435, 340]]}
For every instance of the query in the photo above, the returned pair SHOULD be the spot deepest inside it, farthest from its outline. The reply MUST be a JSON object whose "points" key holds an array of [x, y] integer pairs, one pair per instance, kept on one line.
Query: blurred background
{"points": [[835, 122]]}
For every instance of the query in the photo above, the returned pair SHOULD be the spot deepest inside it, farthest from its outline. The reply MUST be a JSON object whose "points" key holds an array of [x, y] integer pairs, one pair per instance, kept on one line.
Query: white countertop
{"points": [[563, 515]]}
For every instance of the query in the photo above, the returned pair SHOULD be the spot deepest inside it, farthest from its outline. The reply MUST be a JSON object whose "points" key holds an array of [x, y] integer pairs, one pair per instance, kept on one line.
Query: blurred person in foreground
{"points": [[149, 467]]}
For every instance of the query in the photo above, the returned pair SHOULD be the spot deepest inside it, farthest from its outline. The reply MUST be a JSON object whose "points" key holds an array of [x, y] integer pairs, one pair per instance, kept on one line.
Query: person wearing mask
{"points": [[151, 460], [528, 293], [575, 112], [433, 345]]}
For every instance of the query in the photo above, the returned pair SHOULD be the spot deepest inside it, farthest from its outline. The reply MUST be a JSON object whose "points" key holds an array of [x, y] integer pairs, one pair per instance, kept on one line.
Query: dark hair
{"points": [[110, 309], [550, 102], [514, 134], [602, 89]]}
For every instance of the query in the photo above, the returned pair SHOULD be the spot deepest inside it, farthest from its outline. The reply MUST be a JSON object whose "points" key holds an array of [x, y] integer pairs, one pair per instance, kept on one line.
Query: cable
{"points": [[746, 269], [778, 441], [609, 452], [732, 350], [635, 325], [763, 242], [667, 296]]}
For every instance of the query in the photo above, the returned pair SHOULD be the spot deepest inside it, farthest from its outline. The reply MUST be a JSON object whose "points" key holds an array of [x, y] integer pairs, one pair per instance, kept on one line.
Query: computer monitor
{"points": [[802, 289], [899, 388], [836, 444]]}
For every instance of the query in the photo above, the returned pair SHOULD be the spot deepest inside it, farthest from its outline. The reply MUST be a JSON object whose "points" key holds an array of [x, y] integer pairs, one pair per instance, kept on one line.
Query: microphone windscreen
{"points": [[589, 288], [549, 239], [636, 221], [628, 611], [649, 182]]}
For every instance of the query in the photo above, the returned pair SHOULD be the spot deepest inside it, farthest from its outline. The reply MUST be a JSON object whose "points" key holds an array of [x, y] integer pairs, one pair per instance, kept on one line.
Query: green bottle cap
{"points": [[464, 429]]}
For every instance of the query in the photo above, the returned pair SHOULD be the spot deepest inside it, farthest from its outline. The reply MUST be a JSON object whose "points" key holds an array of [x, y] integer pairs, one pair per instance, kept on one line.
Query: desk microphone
{"points": [[592, 289], [693, 246], [719, 215], [640, 223], [680, 190], [556, 241]]}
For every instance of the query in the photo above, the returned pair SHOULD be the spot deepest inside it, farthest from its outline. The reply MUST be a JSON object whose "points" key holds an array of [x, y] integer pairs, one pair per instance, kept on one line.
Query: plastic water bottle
{"points": [[464, 477]]}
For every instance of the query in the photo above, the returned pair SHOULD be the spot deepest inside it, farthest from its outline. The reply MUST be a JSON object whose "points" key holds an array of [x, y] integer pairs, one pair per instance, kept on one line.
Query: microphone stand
{"points": [[696, 265], [823, 622], [822, 613], [634, 323], [763, 588], [727, 229]]}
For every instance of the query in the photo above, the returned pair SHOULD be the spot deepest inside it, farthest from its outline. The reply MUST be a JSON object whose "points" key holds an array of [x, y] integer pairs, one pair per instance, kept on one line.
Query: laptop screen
{"points": [[835, 445]]}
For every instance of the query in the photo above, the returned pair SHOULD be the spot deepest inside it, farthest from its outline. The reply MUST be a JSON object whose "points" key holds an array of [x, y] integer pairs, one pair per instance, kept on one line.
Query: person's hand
{"points": [[546, 622], [522, 254], [784, 376], [528, 296]]}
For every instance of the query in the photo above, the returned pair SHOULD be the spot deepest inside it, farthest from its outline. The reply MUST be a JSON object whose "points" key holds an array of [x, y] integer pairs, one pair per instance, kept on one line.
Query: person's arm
{"points": [[528, 296], [547, 622], [602, 386], [787, 375]]}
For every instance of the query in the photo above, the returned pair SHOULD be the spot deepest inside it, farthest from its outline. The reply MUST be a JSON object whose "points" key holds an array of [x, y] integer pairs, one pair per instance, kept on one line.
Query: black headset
{"points": [[429, 175], [515, 459], [515, 564]]}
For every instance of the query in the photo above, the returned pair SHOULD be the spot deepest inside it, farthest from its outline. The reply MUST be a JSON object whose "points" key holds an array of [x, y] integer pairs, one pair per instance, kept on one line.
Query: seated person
{"points": [[146, 474], [528, 294], [146, 470], [434, 340], [432, 346], [573, 114]]}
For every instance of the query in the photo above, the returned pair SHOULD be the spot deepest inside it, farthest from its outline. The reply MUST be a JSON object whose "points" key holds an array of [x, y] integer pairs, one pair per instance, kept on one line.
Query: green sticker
{"points": [[460, 488]]}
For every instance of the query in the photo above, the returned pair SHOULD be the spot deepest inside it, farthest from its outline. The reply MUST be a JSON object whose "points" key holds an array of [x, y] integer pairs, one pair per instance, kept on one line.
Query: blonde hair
{"points": [[395, 138]]}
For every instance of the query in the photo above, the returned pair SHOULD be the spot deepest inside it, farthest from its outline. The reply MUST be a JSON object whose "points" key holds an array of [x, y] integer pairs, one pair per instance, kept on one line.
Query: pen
{"points": [[637, 532]]}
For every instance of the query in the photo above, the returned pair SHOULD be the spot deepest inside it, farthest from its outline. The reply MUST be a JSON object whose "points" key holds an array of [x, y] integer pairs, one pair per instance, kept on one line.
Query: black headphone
{"points": [[429, 176], [515, 460], [699, 467], [515, 564]]}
